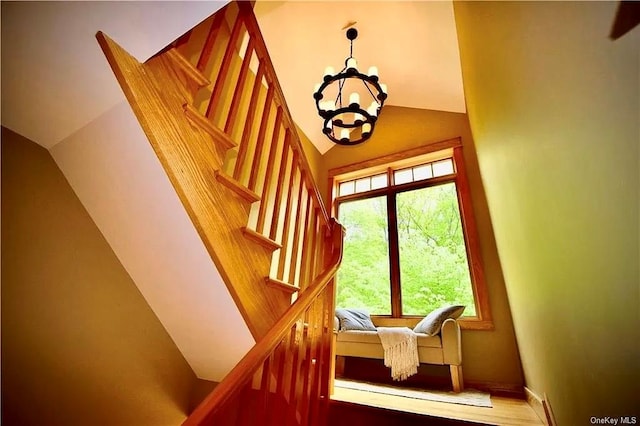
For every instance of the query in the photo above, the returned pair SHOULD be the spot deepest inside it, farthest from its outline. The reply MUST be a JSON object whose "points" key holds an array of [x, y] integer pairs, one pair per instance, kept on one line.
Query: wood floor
{"points": [[505, 411]]}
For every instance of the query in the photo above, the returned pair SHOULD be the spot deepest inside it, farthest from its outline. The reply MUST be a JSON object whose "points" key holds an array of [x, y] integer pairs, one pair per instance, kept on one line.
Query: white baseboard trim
{"points": [[551, 419], [540, 406], [535, 402]]}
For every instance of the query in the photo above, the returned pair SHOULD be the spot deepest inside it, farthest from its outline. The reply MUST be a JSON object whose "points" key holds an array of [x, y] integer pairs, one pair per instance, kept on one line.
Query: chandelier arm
{"points": [[339, 97], [369, 89]]}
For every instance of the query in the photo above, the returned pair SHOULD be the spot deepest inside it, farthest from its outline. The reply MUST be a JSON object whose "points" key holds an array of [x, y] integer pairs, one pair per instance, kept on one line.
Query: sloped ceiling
{"points": [[54, 79]]}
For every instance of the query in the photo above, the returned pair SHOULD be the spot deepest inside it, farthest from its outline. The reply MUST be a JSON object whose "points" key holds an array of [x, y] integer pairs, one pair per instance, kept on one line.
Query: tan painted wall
{"points": [[488, 356], [80, 346], [200, 391], [554, 107]]}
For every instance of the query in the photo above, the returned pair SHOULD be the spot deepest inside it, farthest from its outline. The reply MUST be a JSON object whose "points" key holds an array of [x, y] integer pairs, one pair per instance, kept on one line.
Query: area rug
{"points": [[467, 397]]}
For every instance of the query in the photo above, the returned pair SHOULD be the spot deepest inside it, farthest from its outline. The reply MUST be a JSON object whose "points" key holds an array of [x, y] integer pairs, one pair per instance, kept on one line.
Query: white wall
{"points": [[112, 168], [55, 77]]}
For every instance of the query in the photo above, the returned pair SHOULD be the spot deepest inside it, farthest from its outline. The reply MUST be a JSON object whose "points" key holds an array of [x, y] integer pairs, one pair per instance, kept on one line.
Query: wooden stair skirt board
{"points": [[190, 160]]}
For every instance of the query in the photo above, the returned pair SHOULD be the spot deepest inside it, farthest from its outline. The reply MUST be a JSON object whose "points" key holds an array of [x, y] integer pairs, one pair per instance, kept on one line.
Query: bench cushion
{"points": [[356, 336]]}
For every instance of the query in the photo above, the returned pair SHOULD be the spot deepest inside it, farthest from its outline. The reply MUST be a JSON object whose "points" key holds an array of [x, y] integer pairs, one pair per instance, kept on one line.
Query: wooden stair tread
{"points": [[266, 242], [281, 285], [239, 189], [190, 71], [198, 119]]}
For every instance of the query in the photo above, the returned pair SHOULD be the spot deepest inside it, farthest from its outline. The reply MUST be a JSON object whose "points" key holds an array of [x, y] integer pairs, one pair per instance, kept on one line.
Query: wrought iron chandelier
{"points": [[350, 121]]}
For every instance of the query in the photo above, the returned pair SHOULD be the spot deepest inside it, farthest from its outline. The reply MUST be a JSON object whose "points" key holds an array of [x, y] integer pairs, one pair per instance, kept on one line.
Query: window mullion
{"points": [[394, 257]]}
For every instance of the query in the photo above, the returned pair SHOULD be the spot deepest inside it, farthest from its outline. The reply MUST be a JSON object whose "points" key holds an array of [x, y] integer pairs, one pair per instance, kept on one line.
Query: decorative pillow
{"points": [[430, 325], [354, 319]]}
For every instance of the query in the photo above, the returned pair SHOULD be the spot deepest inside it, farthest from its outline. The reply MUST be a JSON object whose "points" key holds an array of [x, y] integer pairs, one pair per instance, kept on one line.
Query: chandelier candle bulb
{"points": [[354, 98], [358, 118], [366, 128], [326, 106], [373, 109], [383, 87], [329, 71], [344, 134], [316, 88], [373, 72], [352, 63]]}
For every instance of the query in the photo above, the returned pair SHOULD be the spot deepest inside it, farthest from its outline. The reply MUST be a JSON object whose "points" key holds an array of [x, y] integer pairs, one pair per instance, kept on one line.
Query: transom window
{"points": [[411, 243]]}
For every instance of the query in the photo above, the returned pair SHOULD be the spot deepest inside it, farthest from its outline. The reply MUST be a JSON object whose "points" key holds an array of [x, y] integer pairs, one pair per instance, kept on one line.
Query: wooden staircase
{"points": [[213, 110]]}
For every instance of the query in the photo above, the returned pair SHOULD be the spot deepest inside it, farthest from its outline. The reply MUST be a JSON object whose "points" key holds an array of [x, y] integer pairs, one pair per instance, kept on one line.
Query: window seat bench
{"points": [[442, 349]]}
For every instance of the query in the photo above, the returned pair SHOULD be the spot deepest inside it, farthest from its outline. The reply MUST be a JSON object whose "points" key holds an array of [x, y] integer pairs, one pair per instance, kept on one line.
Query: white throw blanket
{"points": [[400, 346]]}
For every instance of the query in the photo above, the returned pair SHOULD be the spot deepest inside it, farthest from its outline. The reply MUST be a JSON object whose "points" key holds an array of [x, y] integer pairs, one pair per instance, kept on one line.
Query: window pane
{"points": [[433, 260], [363, 185], [422, 172], [347, 188], [363, 277], [379, 181], [403, 176], [442, 168]]}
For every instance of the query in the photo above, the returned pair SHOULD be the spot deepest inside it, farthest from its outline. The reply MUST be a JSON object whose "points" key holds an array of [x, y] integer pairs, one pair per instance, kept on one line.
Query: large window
{"points": [[411, 243]]}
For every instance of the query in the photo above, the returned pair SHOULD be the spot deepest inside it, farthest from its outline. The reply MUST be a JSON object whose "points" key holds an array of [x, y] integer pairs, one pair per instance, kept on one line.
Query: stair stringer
{"points": [[191, 158]]}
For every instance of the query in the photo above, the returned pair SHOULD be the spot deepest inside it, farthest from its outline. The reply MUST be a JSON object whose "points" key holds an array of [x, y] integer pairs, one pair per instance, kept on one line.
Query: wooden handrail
{"points": [[233, 383]]}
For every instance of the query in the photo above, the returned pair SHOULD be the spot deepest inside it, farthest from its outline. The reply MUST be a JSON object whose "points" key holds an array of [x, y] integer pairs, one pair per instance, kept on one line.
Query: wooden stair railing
{"points": [[284, 379], [213, 110]]}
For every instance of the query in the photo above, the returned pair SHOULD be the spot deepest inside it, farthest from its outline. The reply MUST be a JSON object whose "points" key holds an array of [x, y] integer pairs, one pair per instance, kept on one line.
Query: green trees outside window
{"points": [[363, 277], [433, 259], [432, 256], [411, 243], [405, 251]]}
